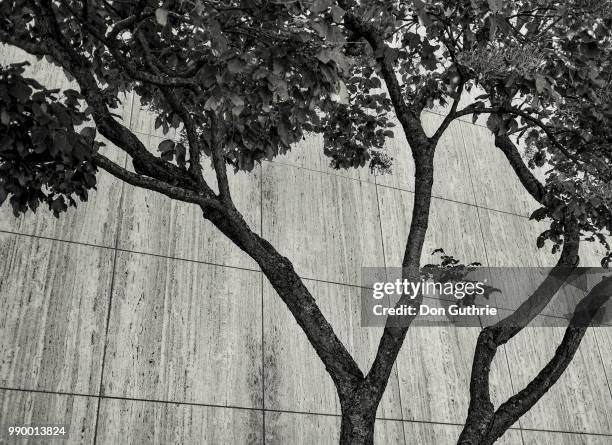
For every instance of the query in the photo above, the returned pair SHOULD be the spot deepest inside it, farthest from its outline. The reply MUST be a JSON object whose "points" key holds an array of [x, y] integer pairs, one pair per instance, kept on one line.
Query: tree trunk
{"points": [[357, 427]]}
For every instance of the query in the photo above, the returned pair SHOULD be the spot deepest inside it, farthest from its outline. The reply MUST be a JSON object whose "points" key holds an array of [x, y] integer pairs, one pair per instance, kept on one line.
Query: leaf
{"points": [[494, 5], [493, 123], [540, 83], [176, 120], [211, 104], [283, 132], [89, 132], [319, 6], [237, 100], [337, 13], [342, 92], [325, 55], [235, 66], [181, 151], [5, 118], [21, 92], [166, 146], [539, 214], [590, 49], [161, 15]]}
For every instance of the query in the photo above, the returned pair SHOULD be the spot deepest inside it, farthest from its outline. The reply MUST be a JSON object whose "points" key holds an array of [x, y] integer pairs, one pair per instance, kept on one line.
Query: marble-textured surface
{"points": [[94, 221], [580, 401], [603, 338], [330, 237], [182, 331], [434, 368], [77, 414], [53, 308], [554, 438], [591, 254], [492, 174], [154, 223], [295, 379], [138, 422], [515, 285], [510, 240], [308, 154], [451, 178], [453, 227]]}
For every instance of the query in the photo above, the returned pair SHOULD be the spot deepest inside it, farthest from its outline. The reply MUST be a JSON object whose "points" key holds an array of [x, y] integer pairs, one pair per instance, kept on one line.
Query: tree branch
{"points": [[195, 145], [393, 336], [511, 410], [529, 181], [538, 123], [219, 162], [409, 117], [422, 151], [171, 181], [481, 410], [111, 129], [156, 185], [450, 116], [134, 72]]}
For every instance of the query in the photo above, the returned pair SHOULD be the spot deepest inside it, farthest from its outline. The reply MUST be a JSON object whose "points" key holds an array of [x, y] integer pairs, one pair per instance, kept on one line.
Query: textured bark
{"points": [[482, 417], [393, 337], [423, 149], [528, 180], [357, 425], [481, 413]]}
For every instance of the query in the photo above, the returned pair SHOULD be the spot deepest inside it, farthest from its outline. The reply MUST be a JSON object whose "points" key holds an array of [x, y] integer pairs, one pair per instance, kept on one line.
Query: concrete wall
{"points": [[134, 321]]}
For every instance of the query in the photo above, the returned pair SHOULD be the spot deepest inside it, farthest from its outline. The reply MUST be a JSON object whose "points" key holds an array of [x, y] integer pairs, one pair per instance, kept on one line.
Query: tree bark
{"points": [[482, 417], [357, 425]]}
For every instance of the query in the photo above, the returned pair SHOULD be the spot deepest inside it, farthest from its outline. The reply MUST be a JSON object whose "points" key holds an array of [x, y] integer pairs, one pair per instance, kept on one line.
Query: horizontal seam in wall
{"points": [[455, 201], [286, 164], [394, 187], [80, 243], [208, 405], [209, 263], [372, 182]]}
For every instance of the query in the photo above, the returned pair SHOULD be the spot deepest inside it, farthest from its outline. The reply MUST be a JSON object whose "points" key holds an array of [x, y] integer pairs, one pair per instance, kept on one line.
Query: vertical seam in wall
{"points": [[382, 242], [484, 244], [112, 286], [601, 357], [263, 350], [108, 315]]}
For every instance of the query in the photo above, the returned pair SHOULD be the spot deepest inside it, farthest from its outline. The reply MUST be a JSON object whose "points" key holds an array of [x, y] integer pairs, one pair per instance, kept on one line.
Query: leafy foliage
{"points": [[563, 94], [254, 76], [43, 159], [543, 70]]}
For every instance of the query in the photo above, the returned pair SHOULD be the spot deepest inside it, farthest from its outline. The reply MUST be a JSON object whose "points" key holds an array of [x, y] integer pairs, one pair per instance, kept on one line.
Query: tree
{"points": [[244, 79]]}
